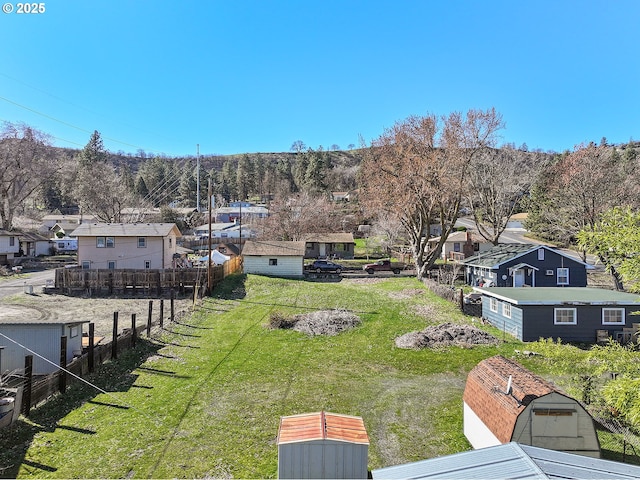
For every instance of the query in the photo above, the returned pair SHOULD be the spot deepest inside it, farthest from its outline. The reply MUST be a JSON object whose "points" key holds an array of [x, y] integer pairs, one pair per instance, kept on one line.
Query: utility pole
{"points": [[198, 177], [209, 244]]}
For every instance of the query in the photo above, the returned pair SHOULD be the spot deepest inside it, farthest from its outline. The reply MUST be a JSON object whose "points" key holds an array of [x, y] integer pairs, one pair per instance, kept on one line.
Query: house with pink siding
{"points": [[127, 245]]}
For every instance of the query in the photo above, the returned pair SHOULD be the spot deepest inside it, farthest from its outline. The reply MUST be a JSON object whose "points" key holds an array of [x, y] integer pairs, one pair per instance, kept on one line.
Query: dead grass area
{"points": [[406, 293], [100, 311], [445, 335], [322, 322], [364, 281]]}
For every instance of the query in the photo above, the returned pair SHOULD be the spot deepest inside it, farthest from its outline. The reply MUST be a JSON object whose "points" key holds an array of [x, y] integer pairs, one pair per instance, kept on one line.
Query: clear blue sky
{"points": [[254, 76]]}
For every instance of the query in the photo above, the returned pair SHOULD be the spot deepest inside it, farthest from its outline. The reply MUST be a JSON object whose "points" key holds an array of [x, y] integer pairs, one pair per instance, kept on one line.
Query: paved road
{"points": [[36, 280]]}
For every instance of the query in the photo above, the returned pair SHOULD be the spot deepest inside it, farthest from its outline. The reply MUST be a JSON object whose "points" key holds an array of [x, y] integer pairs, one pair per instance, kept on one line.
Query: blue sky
{"points": [[255, 76]]}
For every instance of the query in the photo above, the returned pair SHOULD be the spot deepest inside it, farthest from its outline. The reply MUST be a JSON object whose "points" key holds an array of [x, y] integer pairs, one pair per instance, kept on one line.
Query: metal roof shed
{"points": [[322, 445]]}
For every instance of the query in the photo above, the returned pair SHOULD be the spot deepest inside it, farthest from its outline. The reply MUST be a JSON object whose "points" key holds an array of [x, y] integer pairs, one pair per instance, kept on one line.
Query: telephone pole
{"points": [[198, 177]]}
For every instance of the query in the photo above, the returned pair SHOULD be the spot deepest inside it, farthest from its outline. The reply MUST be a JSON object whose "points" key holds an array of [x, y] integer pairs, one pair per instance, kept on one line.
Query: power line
{"points": [[69, 124]]}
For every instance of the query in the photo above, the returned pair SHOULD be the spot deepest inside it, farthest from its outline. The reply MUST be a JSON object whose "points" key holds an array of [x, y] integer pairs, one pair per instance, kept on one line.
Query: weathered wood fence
{"points": [[145, 283]]}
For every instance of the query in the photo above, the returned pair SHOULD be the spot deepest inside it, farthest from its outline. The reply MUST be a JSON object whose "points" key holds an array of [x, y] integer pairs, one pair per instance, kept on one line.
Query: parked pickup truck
{"points": [[384, 266], [322, 266]]}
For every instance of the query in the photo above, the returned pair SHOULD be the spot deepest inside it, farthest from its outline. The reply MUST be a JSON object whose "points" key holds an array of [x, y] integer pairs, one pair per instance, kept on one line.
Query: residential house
{"points": [[9, 247], [504, 402], [127, 245], [34, 244], [237, 210], [510, 460], [274, 258], [66, 223], [224, 231], [574, 314], [519, 265], [38, 335], [322, 445], [329, 245], [461, 245]]}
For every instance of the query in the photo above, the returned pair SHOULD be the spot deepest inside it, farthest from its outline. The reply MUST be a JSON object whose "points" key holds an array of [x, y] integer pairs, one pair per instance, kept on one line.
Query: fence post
{"points": [[173, 294], [26, 395], [133, 330], [461, 299], [161, 312], [149, 318], [92, 329], [158, 284], [62, 377], [114, 342]]}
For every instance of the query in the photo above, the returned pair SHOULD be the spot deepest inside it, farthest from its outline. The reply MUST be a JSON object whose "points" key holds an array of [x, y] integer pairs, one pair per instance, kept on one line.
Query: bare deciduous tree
{"points": [[290, 218], [417, 170], [26, 163]]}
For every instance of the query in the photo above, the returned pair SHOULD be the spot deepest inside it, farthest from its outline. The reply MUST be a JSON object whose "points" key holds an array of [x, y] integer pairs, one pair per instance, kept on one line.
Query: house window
{"points": [[493, 304], [105, 242], [506, 310], [170, 241], [541, 254], [74, 331], [142, 242], [476, 247], [111, 264], [456, 246], [147, 264], [273, 261], [613, 316], [563, 276], [12, 241], [86, 264], [564, 316]]}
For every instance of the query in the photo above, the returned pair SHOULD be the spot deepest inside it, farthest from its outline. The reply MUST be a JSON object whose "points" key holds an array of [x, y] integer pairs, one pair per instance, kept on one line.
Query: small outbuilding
{"points": [[19, 328], [322, 445], [274, 258], [504, 402]]}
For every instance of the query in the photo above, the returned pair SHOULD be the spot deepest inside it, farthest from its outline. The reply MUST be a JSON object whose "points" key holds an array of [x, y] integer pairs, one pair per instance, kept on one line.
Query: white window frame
{"points": [[564, 309], [623, 316], [110, 242], [86, 264], [147, 264], [142, 242], [74, 331], [541, 254], [564, 269], [506, 310], [273, 262], [111, 264], [493, 304]]}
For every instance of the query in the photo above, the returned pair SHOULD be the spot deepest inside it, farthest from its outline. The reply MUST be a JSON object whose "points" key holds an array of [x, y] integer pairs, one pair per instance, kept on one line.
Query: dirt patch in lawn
{"points": [[445, 335], [406, 293], [322, 322], [55, 308]]}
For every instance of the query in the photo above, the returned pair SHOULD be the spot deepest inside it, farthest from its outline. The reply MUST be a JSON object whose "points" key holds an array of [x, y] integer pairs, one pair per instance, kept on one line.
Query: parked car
{"points": [[321, 266], [384, 266]]}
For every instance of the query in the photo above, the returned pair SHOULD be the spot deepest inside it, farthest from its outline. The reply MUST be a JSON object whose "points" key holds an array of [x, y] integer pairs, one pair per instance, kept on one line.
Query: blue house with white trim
{"points": [[520, 265], [574, 314]]}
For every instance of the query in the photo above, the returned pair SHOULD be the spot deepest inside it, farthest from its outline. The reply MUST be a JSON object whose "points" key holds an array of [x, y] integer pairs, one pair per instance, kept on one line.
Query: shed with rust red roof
{"points": [[504, 402], [322, 445]]}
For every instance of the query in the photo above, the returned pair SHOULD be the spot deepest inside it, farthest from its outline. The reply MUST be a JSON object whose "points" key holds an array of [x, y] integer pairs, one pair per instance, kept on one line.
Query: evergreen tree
{"points": [[93, 152]]}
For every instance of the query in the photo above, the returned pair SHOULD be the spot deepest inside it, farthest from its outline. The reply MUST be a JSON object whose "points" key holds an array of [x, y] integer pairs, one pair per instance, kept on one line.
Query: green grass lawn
{"points": [[205, 400]]}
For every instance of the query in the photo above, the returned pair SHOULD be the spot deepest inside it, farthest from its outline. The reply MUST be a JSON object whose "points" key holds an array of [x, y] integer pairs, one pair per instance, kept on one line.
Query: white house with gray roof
{"points": [[127, 245], [274, 258]]}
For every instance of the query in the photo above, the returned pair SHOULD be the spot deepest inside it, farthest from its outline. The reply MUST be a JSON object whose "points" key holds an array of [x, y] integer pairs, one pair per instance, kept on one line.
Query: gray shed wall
{"points": [[322, 459]]}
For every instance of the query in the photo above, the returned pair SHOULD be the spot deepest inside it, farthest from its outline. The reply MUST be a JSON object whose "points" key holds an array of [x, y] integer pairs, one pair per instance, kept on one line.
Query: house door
{"points": [[322, 249], [518, 278]]}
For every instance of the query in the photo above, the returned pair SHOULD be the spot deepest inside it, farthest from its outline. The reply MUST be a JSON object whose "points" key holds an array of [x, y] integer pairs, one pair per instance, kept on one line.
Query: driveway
{"points": [[21, 282]]}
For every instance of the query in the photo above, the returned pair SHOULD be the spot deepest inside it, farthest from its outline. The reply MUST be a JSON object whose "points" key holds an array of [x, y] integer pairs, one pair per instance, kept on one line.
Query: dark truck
{"points": [[323, 266], [384, 266]]}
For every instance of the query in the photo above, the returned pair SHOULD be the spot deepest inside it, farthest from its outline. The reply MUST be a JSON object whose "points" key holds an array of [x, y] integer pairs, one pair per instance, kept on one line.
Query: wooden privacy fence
{"points": [[145, 282]]}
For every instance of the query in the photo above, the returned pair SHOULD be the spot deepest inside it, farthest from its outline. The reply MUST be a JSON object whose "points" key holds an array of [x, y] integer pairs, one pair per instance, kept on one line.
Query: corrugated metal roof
{"points": [[273, 247], [125, 229], [510, 460], [322, 426], [560, 295]]}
